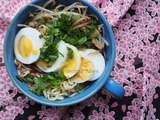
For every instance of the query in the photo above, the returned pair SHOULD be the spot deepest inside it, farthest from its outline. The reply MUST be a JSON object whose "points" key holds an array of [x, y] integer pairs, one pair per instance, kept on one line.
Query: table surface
{"points": [[136, 26]]}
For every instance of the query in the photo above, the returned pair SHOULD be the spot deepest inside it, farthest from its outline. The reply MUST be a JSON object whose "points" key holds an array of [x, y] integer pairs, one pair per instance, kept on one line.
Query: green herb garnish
{"points": [[49, 52], [62, 29], [44, 81], [70, 53]]}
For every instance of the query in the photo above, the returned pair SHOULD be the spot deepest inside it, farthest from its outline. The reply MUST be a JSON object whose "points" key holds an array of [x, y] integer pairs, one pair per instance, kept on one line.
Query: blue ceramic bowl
{"points": [[103, 81]]}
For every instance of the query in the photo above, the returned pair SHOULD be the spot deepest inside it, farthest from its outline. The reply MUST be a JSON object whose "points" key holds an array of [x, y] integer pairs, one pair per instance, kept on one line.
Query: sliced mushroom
{"points": [[98, 44]]}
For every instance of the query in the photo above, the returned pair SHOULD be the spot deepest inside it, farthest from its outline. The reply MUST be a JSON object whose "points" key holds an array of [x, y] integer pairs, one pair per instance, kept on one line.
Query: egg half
{"points": [[27, 45], [85, 72], [72, 64], [58, 64], [97, 59]]}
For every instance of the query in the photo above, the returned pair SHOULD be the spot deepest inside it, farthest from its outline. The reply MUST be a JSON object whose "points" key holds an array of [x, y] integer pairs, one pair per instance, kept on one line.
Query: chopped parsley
{"points": [[70, 53], [44, 81], [62, 29], [49, 52]]}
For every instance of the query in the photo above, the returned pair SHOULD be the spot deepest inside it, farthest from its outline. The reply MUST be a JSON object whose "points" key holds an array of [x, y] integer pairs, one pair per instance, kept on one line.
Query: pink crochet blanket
{"points": [[136, 26]]}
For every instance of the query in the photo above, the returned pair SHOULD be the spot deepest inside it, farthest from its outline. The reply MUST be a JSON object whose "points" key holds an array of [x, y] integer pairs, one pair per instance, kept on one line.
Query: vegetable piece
{"points": [[98, 44], [70, 53], [44, 81], [49, 52]]}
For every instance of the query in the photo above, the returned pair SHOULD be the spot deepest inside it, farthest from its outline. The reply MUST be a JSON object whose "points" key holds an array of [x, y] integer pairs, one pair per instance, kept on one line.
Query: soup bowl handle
{"points": [[114, 88]]}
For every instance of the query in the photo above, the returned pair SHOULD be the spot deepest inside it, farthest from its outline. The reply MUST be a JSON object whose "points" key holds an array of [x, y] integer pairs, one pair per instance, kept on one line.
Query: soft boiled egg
{"points": [[62, 48], [27, 45], [72, 64], [97, 59]]}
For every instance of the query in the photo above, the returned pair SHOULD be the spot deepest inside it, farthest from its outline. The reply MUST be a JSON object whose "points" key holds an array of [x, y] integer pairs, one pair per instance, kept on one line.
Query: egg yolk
{"points": [[85, 72], [25, 47], [69, 67]]}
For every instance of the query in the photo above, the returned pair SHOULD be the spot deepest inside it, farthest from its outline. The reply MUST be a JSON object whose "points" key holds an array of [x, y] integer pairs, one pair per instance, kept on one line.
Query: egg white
{"points": [[37, 43]]}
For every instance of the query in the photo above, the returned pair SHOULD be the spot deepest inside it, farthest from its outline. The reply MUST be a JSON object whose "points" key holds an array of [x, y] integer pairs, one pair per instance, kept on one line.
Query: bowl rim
{"points": [[110, 32]]}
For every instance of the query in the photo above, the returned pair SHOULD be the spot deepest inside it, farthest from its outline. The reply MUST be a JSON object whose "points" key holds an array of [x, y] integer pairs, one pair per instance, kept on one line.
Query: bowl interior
{"points": [[9, 57]]}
